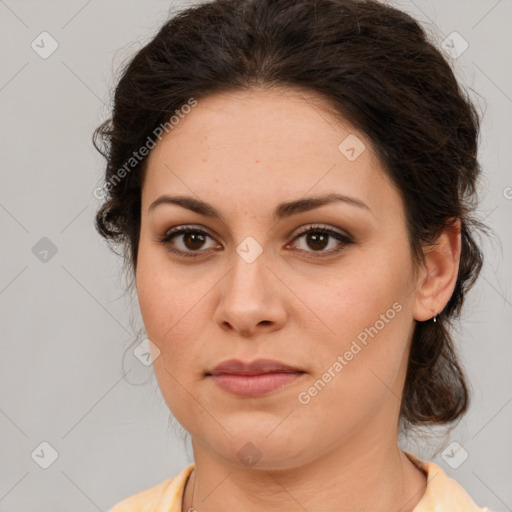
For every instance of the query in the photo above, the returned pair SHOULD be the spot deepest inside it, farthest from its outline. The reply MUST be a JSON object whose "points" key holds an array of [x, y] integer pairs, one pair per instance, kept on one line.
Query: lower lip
{"points": [[254, 385]]}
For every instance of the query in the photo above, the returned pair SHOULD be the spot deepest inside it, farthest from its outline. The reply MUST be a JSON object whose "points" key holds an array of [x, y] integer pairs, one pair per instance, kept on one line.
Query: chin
{"points": [[256, 449]]}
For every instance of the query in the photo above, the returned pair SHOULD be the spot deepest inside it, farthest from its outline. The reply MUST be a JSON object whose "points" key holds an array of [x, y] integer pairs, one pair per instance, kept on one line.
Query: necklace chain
{"points": [[191, 508]]}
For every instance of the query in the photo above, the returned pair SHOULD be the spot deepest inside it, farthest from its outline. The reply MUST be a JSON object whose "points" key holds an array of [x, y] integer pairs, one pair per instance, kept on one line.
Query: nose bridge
{"points": [[248, 298], [247, 276]]}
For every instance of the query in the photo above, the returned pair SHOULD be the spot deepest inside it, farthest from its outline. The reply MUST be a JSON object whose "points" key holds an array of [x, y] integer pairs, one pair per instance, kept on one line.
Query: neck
{"points": [[376, 477]]}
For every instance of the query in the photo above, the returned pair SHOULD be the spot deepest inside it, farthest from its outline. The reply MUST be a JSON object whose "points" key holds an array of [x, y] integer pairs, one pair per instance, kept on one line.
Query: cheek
{"points": [[360, 367], [172, 312], [160, 290], [366, 319], [354, 298], [173, 302]]}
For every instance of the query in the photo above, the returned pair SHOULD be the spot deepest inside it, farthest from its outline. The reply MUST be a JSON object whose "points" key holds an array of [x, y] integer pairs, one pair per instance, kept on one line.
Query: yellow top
{"points": [[443, 494]]}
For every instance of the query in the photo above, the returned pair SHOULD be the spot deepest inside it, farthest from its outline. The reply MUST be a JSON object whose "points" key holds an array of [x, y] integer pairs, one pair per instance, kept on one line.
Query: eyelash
{"points": [[317, 229]]}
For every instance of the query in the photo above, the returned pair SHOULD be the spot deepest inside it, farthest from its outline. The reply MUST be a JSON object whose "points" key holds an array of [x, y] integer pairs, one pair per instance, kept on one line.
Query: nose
{"points": [[252, 298]]}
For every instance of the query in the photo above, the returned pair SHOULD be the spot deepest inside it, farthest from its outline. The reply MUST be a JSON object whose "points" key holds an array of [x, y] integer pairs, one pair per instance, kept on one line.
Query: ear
{"points": [[437, 279]]}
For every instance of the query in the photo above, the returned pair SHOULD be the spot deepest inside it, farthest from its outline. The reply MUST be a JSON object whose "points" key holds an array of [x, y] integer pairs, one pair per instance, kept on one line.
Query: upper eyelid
{"points": [[320, 227], [297, 231]]}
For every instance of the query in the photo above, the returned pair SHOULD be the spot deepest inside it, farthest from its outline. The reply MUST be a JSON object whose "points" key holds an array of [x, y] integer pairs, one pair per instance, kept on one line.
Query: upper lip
{"points": [[256, 367]]}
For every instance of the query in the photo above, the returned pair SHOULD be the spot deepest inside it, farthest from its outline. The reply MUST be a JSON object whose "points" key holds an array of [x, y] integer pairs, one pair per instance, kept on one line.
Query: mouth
{"points": [[253, 379]]}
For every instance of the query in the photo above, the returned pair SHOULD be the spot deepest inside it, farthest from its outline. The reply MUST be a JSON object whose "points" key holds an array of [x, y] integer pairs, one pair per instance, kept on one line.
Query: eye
{"points": [[317, 238], [190, 240]]}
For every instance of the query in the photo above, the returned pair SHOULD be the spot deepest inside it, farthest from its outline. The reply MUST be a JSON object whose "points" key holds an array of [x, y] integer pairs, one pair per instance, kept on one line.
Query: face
{"points": [[250, 282]]}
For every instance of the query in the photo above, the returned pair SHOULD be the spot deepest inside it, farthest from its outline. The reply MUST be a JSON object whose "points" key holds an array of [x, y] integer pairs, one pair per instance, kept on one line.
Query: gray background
{"points": [[66, 321]]}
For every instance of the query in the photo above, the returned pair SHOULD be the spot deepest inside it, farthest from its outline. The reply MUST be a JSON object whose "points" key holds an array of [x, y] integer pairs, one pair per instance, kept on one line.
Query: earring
{"points": [[435, 318]]}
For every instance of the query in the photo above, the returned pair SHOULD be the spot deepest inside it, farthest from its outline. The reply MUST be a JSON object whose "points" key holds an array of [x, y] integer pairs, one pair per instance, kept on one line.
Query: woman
{"points": [[293, 184]]}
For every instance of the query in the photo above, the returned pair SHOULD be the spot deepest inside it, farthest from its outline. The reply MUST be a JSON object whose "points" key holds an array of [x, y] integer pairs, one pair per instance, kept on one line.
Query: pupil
{"points": [[194, 238], [318, 237]]}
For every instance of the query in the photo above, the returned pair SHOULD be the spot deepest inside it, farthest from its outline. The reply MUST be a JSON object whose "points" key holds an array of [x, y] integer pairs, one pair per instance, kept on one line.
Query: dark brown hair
{"points": [[377, 69]]}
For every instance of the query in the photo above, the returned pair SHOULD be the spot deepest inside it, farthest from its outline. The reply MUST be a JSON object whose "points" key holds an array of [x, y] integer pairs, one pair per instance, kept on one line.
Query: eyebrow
{"points": [[282, 211]]}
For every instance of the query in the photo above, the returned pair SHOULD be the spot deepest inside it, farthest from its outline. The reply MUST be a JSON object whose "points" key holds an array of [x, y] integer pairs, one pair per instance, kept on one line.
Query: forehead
{"points": [[263, 145]]}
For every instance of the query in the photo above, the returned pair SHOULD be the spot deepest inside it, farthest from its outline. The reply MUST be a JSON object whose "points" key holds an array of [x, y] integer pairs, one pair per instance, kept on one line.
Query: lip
{"points": [[256, 378], [256, 367]]}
